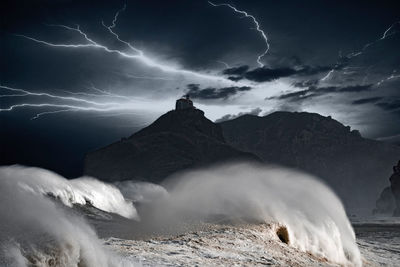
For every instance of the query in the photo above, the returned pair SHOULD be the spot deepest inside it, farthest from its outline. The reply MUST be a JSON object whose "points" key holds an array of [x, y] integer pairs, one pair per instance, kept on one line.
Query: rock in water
{"points": [[178, 140], [395, 186], [385, 203]]}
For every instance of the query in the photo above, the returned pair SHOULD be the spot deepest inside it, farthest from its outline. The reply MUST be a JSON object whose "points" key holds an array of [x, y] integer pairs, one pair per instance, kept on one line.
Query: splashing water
{"points": [[81, 191], [34, 231], [314, 216], [142, 192]]}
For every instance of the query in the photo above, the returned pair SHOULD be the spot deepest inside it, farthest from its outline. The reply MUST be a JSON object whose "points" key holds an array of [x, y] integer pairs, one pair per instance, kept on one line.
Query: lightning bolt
{"points": [[113, 25], [106, 93], [226, 65], [79, 104], [101, 94], [387, 33], [50, 112], [135, 53], [327, 75], [70, 107], [98, 100], [28, 93], [391, 77], [257, 28]]}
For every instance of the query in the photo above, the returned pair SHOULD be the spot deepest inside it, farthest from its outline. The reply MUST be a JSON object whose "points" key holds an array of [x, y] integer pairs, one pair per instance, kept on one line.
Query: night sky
{"points": [[77, 75]]}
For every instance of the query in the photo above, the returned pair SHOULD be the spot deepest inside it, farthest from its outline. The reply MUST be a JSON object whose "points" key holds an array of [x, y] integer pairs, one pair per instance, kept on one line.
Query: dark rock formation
{"points": [[178, 140], [385, 205], [395, 186], [353, 166]]}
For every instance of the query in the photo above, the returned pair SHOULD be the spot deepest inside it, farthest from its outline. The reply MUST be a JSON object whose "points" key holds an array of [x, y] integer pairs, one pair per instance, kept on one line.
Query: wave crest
{"points": [[81, 191]]}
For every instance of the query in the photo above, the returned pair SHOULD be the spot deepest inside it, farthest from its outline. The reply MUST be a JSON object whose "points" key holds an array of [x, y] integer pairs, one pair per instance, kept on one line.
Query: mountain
{"points": [[178, 140], [355, 167]]}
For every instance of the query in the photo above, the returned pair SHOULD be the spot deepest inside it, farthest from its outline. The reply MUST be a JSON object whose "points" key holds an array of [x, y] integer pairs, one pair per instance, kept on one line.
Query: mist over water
{"points": [[313, 215], [143, 192]]}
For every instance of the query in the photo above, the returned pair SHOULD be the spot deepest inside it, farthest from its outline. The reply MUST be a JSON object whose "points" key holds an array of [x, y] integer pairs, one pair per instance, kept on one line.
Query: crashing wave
{"points": [[313, 215], [35, 231], [310, 216], [81, 191]]}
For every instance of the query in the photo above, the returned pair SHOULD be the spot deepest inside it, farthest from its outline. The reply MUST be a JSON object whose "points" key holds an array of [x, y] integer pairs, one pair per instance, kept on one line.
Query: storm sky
{"points": [[76, 75]]}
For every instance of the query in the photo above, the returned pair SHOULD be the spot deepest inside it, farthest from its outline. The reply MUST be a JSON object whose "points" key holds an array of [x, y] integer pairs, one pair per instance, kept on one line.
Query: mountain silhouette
{"points": [[178, 140], [355, 167]]}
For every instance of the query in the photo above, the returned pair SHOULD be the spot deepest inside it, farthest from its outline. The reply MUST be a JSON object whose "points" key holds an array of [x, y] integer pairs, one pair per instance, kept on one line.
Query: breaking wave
{"points": [[84, 190], [310, 216], [35, 231], [313, 215]]}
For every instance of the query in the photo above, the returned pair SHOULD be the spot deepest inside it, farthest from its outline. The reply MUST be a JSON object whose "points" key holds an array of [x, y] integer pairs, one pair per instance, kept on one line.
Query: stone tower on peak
{"points": [[184, 103]]}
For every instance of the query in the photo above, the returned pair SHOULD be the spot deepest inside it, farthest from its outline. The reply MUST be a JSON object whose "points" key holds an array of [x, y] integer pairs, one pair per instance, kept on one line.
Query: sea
{"points": [[229, 215]]}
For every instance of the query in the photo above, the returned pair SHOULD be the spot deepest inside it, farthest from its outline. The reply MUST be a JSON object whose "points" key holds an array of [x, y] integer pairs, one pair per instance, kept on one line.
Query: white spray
{"points": [[81, 191], [35, 231], [314, 216]]}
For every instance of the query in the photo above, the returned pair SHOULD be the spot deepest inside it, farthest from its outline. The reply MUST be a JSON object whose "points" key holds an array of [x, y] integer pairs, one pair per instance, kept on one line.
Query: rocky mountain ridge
{"points": [[178, 140], [355, 167]]}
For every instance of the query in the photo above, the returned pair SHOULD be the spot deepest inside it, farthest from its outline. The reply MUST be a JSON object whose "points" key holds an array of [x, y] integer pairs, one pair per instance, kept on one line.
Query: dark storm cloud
{"points": [[235, 78], [366, 100], [196, 92], [228, 117], [314, 91], [265, 74], [236, 70], [355, 88], [391, 105]]}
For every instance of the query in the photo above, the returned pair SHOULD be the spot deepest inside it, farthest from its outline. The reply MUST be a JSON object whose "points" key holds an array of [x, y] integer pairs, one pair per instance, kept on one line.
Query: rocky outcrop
{"points": [[395, 187], [178, 140], [389, 200], [385, 205], [353, 166]]}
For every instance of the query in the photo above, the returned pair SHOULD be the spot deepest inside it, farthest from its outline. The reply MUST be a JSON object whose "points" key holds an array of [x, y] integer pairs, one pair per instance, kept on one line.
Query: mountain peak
{"points": [[184, 121], [180, 139]]}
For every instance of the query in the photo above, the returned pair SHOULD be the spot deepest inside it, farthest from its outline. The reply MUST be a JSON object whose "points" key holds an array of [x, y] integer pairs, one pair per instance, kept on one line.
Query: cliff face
{"points": [[178, 140], [353, 166]]}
